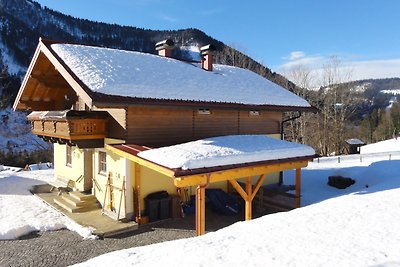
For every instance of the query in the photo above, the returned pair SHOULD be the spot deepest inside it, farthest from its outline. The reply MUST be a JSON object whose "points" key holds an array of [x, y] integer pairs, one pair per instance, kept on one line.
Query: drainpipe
{"points": [[288, 119]]}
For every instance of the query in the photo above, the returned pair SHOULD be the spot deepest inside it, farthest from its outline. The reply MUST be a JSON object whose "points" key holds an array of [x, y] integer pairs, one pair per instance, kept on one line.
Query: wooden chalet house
{"points": [[102, 107]]}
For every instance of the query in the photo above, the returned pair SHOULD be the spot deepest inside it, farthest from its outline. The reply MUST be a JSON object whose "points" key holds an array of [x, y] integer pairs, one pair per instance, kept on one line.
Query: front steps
{"points": [[77, 202]]}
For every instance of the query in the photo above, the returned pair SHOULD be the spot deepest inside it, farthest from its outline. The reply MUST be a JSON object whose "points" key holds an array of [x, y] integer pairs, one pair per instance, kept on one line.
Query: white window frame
{"points": [[102, 164]]}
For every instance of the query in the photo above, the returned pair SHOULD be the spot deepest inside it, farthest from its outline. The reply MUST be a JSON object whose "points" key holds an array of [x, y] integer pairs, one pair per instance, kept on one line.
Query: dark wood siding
{"points": [[158, 126], [264, 123], [218, 122], [116, 123]]}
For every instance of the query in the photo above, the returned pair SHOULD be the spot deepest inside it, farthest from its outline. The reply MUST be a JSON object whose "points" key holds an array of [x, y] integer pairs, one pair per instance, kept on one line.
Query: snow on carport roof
{"points": [[225, 150], [140, 75]]}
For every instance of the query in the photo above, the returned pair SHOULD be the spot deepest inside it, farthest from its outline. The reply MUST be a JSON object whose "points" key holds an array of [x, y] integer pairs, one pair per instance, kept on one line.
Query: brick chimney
{"points": [[207, 54], [164, 48]]}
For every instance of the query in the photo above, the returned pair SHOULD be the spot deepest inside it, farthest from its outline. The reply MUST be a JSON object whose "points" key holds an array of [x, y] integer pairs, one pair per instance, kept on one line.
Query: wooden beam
{"points": [[51, 81], [238, 189], [138, 192], [248, 206], [145, 163], [17, 105], [218, 176], [62, 69], [298, 187], [258, 185]]}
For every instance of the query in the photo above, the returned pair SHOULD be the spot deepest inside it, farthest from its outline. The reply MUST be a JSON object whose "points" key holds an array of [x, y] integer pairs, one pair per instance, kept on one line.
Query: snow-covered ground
{"points": [[21, 212], [357, 226]]}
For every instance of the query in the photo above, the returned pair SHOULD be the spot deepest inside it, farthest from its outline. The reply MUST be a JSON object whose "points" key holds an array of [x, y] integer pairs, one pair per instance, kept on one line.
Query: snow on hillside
{"points": [[382, 146], [391, 91], [357, 226], [15, 133], [362, 87], [21, 212], [193, 51], [8, 60]]}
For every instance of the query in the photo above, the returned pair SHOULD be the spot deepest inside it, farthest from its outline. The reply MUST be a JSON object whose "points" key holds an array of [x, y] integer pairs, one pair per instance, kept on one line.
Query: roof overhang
{"points": [[30, 94], [183, 178], [102, 100]]}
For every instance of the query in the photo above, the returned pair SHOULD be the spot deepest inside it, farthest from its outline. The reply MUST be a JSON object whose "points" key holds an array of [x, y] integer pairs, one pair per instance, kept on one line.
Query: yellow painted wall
{"points": [[72, 171], [115, 167], [152, 181]]}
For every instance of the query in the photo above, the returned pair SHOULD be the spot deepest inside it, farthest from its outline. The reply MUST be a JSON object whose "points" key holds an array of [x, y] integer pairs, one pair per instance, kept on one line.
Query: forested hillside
{"points": [[22, 22]]}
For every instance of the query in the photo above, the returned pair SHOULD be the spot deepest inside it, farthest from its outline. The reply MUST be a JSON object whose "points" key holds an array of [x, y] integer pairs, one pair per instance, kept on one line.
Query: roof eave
{"points": [[180, 172], [27, 75], [77, 85], [100, 100]]}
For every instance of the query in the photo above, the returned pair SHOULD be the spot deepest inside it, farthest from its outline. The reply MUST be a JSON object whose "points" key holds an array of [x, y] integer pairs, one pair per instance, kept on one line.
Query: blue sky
{"points": [[363, 34]]}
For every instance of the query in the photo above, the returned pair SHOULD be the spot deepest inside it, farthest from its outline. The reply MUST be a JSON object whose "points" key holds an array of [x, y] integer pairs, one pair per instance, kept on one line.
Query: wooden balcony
{"points": [[85, 129]]}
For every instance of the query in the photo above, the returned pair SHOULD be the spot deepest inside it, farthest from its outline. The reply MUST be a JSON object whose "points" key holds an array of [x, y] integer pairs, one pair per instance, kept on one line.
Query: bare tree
{"points": [[339, 101], [303, 77]]}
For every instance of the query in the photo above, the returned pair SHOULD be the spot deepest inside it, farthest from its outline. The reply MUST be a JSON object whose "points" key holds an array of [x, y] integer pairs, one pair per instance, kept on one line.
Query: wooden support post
{"points": [[248, 208], [298, 187], [138, 193], [200, 210], [201, 207]]}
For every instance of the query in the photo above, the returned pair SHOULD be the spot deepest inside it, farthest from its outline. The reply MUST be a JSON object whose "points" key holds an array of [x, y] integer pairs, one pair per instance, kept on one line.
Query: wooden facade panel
{"points": [[159, 126], [116, 123], [264, 123], [218, 123]]}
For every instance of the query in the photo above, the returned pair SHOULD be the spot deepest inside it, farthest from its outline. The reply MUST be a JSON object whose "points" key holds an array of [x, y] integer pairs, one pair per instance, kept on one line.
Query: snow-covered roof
{"points": [[225, 150], [354, 141], [140, 75]]}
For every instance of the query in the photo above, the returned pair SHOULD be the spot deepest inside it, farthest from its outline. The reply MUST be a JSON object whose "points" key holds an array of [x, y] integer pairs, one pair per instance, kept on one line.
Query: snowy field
{"points": [[21, 212], [357, 226]]}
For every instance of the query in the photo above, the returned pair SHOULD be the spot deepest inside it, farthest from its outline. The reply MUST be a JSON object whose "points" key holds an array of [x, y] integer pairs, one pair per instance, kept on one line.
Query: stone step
{"points": [[81, 196], [75, 202], [60, 201]]}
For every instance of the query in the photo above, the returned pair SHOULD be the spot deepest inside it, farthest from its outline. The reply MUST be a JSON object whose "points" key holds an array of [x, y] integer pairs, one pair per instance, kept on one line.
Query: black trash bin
{"points": [[158, 205]]}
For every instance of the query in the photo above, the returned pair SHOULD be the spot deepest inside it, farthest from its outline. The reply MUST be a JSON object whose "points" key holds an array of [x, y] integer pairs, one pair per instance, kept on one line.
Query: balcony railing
{"points": [[70, 126]]}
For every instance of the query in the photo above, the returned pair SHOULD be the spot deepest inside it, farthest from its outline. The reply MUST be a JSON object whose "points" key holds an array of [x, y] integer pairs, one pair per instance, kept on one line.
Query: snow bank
{"points": [[383, 146], [21, 212], [225, 150], [135, 74]]}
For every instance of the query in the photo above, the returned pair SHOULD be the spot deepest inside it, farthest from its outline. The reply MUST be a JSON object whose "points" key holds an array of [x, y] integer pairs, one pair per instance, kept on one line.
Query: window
{"points": [[204, 111], [102, 162], [254, 113], [68, 155]]}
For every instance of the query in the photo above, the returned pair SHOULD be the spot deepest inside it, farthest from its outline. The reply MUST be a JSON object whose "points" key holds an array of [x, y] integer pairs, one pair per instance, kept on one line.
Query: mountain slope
{"points": [[22, 22]]}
